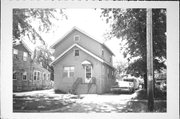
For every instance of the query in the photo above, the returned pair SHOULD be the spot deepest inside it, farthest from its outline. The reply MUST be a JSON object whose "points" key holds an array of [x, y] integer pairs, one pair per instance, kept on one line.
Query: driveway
{"points": [[48, 101]]}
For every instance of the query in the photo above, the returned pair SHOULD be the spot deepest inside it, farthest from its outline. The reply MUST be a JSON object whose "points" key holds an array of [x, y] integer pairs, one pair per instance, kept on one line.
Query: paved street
{"points": [[48, 101]]}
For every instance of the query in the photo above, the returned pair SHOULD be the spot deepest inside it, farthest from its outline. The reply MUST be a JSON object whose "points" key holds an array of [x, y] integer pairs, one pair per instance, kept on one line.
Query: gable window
{"points": [[68, 72], [76, 52], [25, 55], [24, 76], [76, 38]]}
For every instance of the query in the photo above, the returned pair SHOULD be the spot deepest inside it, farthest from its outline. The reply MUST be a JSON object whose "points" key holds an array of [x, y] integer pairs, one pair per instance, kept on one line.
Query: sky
{"points": [[87, 20]]}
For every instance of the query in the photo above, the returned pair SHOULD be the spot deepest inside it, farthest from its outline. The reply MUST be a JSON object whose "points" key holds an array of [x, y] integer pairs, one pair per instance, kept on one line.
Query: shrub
{"points": [[57, 91]]}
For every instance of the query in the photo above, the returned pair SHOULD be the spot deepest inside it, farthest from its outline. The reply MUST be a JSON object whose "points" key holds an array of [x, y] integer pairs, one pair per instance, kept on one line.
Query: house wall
{"points": [[85, 42], [69, 59], [108, 78], [107, 55], [20, 66]]}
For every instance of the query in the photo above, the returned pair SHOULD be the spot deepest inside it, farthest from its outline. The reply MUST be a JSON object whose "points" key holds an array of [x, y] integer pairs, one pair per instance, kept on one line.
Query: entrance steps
{"points": [[86, 89]]}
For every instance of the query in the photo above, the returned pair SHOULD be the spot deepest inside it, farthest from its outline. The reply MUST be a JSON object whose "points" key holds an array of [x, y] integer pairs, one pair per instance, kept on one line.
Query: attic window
{"points": [[76, 52], [76, 38]]}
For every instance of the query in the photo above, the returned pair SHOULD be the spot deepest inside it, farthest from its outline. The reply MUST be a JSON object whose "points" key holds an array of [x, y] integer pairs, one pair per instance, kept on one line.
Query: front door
{"points": [[88, 73]]}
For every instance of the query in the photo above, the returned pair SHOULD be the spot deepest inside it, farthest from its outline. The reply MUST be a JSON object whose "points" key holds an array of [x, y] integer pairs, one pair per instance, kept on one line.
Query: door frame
{"points": [[85, 79]]}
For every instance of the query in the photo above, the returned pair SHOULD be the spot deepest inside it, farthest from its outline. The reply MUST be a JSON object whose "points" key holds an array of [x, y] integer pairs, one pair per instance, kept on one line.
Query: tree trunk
{"points": [[145, 81]]}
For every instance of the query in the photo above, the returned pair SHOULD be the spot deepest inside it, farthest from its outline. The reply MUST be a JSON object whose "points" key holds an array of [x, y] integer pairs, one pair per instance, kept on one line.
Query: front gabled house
{"points": [[82, 65]]}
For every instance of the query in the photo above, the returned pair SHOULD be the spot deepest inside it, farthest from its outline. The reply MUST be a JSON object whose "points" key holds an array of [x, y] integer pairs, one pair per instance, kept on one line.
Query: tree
{"points": [[24, 18], [130, 25], [42, 55]]}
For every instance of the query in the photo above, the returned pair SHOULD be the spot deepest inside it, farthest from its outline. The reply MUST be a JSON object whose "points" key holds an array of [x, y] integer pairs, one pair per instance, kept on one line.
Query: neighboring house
{"points": [[27, 74], [82, 65]]}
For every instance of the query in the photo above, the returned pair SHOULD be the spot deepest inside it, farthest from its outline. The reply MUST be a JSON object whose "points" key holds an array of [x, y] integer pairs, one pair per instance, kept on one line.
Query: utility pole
{"points": [[150, 88]]}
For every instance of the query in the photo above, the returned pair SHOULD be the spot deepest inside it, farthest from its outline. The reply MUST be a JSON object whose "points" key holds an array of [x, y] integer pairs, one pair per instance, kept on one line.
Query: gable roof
{"points": [[73, 29], [83, 49], [24, 44]]}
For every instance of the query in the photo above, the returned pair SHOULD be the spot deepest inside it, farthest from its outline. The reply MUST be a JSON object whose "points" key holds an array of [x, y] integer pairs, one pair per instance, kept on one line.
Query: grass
{"points": [[140, 102], [37, 104], [158, 95]]}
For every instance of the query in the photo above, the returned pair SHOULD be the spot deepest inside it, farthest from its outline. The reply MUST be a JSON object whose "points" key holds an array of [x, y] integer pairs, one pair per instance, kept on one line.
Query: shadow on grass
{"points": [[38, 103]]}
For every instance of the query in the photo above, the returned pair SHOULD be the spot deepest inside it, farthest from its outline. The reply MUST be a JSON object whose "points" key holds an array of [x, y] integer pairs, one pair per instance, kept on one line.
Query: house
{"points": [[82, 64], [27, 74]]}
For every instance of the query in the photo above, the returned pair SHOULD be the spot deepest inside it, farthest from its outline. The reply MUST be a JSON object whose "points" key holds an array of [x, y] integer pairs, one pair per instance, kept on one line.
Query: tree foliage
{"points": [[130, 25], [23, 20], [42, 55]]}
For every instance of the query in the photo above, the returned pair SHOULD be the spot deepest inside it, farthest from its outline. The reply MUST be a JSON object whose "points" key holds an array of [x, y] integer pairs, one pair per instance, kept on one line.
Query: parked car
{"points": [[161, 85], [134, 81], [122, 86]]}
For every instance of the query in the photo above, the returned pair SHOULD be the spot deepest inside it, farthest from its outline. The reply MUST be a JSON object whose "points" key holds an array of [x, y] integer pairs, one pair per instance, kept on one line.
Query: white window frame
{"points": [[24, 73], [36, 72], [15, 51], [75, 52], [68, 71], [75, 38], [38, 76], [25, 56], [86, 72]]}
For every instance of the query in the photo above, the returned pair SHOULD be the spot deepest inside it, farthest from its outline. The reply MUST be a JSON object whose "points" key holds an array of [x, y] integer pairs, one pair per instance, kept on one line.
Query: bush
{"points": [[57, 91]]}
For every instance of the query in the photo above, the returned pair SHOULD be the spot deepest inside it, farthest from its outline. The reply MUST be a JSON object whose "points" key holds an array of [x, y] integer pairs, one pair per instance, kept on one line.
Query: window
{"points": [[48, 76], [25, 55], [102, 52], [68, 72], [76, 38], [44, 76], [24, 75], [15, 52], [76, 52], [14, 75], [88, 71], [38, 75]]}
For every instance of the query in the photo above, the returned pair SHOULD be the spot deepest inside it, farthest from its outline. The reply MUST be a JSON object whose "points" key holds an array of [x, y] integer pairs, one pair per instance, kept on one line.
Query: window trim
{"points": [[75, 52], [86, 73], [23, 76], [75, 38], [15, 50], [36, 72], [68, 72], [25, 57], [14, 74]]}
